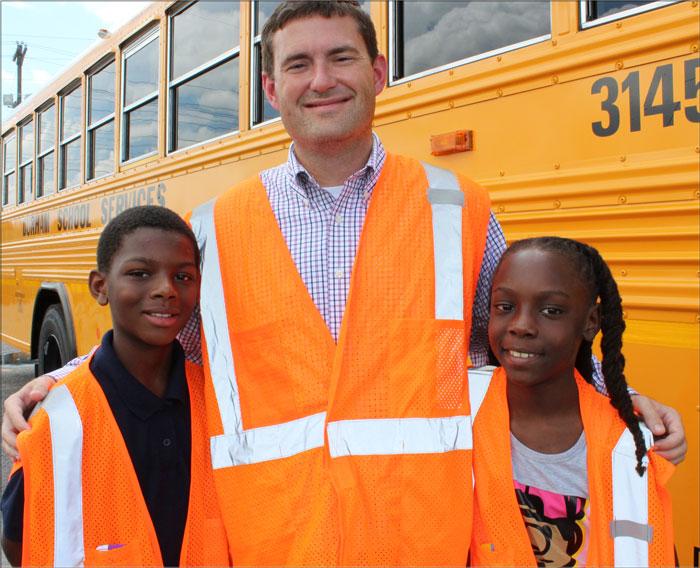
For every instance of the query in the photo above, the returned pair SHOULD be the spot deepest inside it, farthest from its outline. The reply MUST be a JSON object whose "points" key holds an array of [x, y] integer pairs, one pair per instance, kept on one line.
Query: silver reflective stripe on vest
{"points": [[67, 455], [479, 381], [630, 503], [238, 446], [268, 442], [391, 436], [446, 201]]}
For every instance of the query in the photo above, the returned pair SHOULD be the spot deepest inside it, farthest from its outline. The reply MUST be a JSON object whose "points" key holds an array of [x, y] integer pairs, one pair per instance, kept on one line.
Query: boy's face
{"points": [[151, 286]]}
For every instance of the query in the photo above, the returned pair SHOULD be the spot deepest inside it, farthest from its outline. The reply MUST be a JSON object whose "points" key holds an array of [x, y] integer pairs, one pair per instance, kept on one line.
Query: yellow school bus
{"points": [[580, 117]]}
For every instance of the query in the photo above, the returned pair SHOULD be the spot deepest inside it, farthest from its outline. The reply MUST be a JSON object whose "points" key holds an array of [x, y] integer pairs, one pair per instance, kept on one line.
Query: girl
{"points": [[562, 475]]}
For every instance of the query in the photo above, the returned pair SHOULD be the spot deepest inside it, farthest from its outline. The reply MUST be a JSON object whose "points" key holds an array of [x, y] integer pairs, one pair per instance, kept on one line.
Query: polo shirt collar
{"points": [[106, 366]]}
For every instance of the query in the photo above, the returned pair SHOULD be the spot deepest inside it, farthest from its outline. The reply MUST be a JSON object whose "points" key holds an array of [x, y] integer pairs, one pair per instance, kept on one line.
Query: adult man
{"points": [[337, 402]]}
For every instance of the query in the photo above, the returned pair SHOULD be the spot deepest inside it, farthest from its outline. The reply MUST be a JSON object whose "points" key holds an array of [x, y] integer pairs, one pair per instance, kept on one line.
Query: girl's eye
{"points": [[552, 311]]}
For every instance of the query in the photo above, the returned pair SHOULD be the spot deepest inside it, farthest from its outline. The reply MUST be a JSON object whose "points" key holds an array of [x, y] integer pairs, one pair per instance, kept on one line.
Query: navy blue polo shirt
{"points": [[157, 433]]}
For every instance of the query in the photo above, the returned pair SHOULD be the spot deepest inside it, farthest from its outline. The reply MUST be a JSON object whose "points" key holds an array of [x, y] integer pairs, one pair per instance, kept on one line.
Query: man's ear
{"points": [[592, 323], [97, 283], [269, 88]]}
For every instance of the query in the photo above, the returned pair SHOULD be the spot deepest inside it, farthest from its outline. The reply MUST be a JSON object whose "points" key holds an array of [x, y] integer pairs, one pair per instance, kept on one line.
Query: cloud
{"points": [[41, 76], [445, 32], [114, 14], [7, 76], [18, 5]]}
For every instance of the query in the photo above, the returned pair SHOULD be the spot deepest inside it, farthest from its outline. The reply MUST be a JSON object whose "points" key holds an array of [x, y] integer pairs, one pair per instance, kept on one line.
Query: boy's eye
{"points": [[138, 273], [502, 307]]}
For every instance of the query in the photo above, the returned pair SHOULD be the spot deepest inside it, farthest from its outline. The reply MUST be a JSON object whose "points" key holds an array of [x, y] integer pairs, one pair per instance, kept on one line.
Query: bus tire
{"points": [[53, 341]]}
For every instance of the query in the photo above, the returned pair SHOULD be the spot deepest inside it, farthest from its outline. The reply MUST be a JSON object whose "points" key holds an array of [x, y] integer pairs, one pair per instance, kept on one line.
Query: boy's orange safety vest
{"points": [[630, 516], [83, 503], [360, 453]]}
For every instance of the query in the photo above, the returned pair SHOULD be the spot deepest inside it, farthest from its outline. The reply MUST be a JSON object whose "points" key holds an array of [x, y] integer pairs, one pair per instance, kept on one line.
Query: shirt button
{"points": [[339, 273], [338, 219], [167, 442], [307, 203], [366, 195]]}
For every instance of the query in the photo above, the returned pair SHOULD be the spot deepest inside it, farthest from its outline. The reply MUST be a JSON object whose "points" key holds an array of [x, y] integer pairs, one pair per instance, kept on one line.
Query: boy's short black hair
{"points": [[151, 216]]}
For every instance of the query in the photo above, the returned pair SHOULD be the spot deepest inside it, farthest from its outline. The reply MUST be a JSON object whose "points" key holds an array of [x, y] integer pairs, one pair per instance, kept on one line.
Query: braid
{"points": [[612, 327], [596, 275]]}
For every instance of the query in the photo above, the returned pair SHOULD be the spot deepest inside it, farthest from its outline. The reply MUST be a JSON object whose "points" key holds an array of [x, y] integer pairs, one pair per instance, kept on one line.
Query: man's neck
{"points": [[332, 163]]}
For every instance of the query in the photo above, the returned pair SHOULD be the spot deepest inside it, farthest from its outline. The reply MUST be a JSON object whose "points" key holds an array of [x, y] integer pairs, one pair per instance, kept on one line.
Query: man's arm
{"points": [[664, 422]]}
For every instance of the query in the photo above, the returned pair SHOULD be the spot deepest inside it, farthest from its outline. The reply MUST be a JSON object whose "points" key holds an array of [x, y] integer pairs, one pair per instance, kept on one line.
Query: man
{"points": [[337, 398]]}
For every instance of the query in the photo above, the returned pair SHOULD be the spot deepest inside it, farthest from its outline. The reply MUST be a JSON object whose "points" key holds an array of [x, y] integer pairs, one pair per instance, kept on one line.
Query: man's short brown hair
{"points": [[298, 9]]}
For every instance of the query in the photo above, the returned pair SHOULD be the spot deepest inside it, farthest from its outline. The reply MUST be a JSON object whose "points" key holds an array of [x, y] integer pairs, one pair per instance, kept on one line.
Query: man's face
{"points": [[324, 83]]}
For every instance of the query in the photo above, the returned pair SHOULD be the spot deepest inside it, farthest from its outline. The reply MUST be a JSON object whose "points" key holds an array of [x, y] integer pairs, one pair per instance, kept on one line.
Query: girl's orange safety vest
{"points": [[357, 453], [630, 516], [83, 503]]}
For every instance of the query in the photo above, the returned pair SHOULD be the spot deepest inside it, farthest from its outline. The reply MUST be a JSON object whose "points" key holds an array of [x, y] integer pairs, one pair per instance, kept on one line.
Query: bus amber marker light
{"points": [[451, 142]]}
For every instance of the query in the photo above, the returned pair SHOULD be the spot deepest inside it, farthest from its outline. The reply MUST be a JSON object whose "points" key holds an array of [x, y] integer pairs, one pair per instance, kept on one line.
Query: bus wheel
{"points": [[53, 341]]}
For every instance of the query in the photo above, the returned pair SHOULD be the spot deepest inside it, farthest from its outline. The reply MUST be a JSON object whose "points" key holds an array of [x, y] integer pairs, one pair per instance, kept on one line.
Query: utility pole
{"points": [[20, 52]]}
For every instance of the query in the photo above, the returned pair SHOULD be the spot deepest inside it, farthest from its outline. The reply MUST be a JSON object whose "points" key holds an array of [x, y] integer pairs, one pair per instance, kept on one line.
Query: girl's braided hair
{"points": [[595, 274]]}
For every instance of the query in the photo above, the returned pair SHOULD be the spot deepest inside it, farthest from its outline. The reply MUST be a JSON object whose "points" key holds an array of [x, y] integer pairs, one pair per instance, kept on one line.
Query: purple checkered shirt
{"points": [[322, 233]]}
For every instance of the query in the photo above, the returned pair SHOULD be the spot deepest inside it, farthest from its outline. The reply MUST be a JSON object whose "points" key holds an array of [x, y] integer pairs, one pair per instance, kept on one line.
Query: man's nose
{"points": [[323, 78]]}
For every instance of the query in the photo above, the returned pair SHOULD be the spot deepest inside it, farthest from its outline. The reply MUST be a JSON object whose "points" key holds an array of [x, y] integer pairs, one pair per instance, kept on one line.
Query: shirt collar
{"points": [[107, 367], [301, 179]]}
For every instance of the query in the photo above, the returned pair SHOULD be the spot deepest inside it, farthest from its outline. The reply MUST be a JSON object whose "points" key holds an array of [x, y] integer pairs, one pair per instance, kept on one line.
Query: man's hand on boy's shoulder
{"points": [[666, 425], [17, 406]]}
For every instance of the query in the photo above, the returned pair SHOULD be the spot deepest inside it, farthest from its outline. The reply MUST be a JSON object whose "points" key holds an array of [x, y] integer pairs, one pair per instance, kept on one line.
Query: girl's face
{"points": [[540, 313]]}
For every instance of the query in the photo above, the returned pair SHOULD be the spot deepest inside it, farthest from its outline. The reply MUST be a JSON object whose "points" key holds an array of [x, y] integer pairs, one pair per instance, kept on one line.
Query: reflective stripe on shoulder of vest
{"points": [[237, 446], [67, 455], [630, 527], [446, 202]]}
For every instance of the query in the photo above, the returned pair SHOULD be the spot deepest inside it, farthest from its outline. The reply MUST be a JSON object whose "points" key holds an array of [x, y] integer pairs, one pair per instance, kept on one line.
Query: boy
{"points": [[119, 446]]}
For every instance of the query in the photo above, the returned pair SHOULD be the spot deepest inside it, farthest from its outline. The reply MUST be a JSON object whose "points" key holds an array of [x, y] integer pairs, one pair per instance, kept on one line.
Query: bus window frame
{"points": [[21, 166], [90, 127], [7, 139], [585, 23], [63, 142], [394, 51], [133, 45], [173, 84], [42, 153], [257, 99]]}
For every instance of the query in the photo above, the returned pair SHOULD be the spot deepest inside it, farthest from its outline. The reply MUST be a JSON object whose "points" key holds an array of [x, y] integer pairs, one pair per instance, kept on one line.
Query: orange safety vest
{"points": [[630, 516], [360, 453], [82, 501]]}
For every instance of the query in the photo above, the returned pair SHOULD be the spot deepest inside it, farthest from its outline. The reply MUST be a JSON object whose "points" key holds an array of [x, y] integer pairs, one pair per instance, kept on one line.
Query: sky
{"points": [[56, 33]]}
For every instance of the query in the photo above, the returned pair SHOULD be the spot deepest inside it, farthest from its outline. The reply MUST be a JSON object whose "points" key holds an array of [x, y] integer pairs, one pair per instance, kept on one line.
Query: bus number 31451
{"points": [[662, 81]]}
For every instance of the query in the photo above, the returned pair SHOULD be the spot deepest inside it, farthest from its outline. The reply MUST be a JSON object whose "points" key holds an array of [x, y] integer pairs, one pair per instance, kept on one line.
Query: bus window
{"points": [[100, 122], [69, 168], [203, 81], [260, 109], [26, 162], [427, 37], [9, 163], [140, 98], [594, 12], [46, 128]]}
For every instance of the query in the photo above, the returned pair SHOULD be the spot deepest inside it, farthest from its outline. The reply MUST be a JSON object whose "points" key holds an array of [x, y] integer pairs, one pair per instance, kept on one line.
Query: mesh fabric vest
{"points": [[360, 453], [97, 515], [500, 537]]}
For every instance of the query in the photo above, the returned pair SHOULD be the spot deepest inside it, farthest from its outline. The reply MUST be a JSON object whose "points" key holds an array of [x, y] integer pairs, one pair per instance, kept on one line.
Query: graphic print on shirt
{"points": [[556, 524]]}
